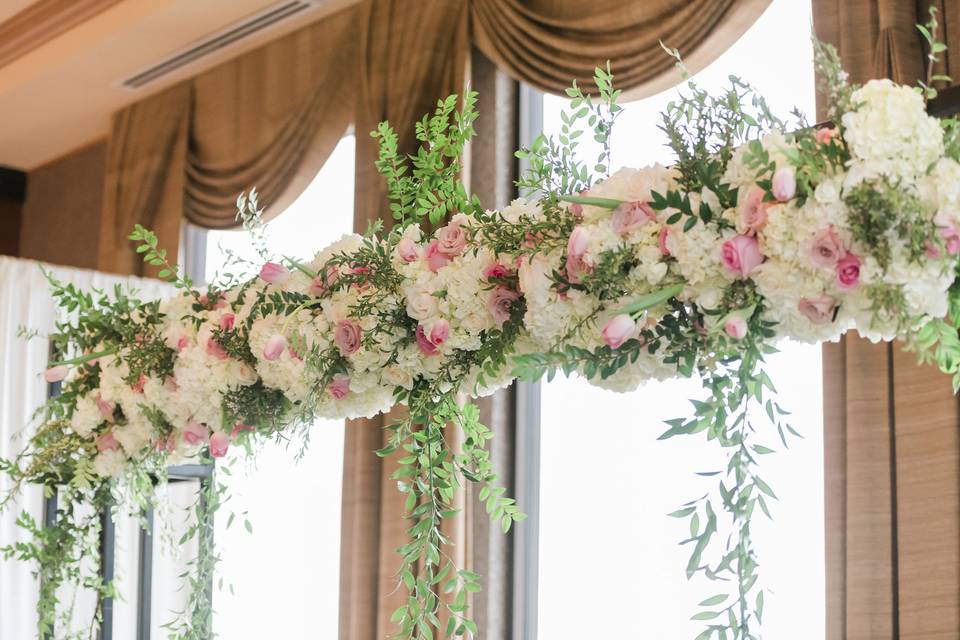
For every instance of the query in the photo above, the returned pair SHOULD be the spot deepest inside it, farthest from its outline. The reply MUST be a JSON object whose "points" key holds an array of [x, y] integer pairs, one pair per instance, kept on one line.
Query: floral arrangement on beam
{"points": [[756, 233]]}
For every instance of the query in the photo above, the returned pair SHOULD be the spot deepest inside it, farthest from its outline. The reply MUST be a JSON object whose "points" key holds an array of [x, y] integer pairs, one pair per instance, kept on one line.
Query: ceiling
{"points": [[60, 87]]}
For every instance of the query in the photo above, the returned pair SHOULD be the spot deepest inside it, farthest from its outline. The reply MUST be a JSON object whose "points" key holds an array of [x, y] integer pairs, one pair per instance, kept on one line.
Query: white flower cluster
{"points": [[338, 335]]}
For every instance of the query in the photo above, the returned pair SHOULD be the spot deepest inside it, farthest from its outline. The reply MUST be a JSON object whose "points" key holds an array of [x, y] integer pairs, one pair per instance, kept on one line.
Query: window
{"points": [[624, 557], [290, 567]]}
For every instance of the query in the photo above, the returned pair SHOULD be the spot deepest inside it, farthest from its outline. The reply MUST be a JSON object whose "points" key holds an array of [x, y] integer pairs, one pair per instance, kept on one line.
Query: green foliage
{"points": [[432, 189], [934, 47]]}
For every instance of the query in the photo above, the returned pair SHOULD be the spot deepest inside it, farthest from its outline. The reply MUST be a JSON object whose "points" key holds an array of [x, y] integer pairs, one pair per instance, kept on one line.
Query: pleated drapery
{"points": [[892, 442]]}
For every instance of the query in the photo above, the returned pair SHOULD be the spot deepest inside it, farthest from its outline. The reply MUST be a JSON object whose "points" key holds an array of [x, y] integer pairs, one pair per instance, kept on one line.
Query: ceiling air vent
{"points": [[231, 34]]}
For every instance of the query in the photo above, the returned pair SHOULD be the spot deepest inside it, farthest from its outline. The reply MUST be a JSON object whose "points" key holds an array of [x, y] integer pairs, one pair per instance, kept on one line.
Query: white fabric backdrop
{"points": [[25, 301]]}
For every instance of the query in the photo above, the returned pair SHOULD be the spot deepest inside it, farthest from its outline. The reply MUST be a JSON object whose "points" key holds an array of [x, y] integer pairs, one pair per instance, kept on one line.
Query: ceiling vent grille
{"points": [[255, 23]]}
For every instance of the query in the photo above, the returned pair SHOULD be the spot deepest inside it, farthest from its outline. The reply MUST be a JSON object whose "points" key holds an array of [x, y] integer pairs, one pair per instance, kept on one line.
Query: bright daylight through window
{"points": [[633, 565], [293, 507]]}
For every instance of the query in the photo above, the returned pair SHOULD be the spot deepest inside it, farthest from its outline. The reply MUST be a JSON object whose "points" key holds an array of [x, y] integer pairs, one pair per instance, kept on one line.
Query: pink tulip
{"points": [[138, 386], [818, 309], [347, 336], [56, 374], [219, 443], [618, 330], [826, 134], [339, 387], [216, 350], [274, 273], [577, 265], [182, 343], [106, 408], [439, 332], [407, 250], [499, 303], [848, 272], [735, 327], [276, 345], [662, 241], [631, 215], [195, 433], [226, 321], [741, 255], [240, 428], [784, 185], [106, 442]]}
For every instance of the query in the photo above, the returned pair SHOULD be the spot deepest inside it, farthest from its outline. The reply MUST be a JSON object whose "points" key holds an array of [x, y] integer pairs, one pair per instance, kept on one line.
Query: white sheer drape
{"points": [[25, 302]]}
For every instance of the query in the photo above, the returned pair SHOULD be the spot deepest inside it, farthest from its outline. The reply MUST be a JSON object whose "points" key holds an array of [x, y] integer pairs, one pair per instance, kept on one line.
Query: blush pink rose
{"points": [[227, 321], [752, 212], [827, 247], [216, 350], [452, 239], [631, 215], [429, 343], [496, 271], [106, 442], [274, 273], [735, 327], [195, 433], [499, 303], [106, 408], [275, 346], [826, 134], [346, 336], [741, 255], [435, 258], [576, 255], [219, 443], [662, 241], [784, 185], [56, 374], [848, 272], [407, 250], [618, 330], [339, 387], [817, 309]]}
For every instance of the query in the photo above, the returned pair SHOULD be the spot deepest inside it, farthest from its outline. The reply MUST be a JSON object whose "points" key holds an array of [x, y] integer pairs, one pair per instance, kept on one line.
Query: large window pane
{"points": [[282, 581], [615, 569]]}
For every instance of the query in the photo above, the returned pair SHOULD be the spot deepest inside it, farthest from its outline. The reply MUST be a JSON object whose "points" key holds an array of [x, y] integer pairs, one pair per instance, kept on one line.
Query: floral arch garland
{"points": [[754, 234]]}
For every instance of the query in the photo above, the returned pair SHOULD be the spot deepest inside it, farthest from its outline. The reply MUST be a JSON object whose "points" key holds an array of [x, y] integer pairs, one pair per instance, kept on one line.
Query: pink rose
{"points": [[662, 241], [226, 321], [576, 253], [741, 255], [339, 387], [827, 247], [276, 345], [496, 271], [274, 273], [948, 231], [219, 443], [499, 303], [346, 336], [438, 335], [407, 250], [138, 386], [735, 327], [106, 442], [218, 301], [106, 408], [435, 259], [631, 215], [618, 330], [56, 374], [195, 433], [848, 272], [826, 134], [784, 185], [240, 428], [818, 309], [752, 212], [216, 350], [183, 342], [452, 239]]}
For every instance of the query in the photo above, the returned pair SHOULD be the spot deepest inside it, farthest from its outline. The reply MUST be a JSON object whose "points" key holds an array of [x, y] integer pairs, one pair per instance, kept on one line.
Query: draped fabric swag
{"points": [[271, 117], [892, 450]]}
